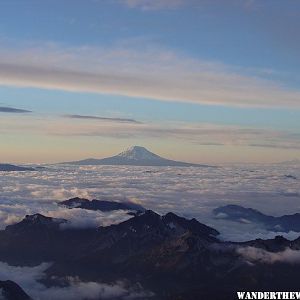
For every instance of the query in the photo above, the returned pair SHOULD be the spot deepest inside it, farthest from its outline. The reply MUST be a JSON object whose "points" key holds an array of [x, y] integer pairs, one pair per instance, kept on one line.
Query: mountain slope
{"points": [[11, 291], [135, 156]]}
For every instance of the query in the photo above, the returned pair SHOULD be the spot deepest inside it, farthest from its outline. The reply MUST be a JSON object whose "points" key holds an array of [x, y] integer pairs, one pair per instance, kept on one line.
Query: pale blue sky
{"points": [[217, 80]]}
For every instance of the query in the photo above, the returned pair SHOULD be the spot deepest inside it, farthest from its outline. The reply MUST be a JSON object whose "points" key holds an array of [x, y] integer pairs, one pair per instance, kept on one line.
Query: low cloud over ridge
{"points": [[29, 279], [257, 255]]}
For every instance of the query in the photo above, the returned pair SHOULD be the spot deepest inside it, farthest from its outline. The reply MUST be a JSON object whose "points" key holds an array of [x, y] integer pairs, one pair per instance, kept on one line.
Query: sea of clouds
{"points": [[189, 192]]}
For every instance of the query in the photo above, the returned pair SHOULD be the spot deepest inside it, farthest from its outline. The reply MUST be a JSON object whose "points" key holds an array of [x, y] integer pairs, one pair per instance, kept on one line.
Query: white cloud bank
{"points": [[152, 73]]}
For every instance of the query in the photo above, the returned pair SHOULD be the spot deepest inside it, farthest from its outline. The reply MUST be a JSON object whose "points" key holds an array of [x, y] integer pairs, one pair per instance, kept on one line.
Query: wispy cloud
{"points": [[274, 145], [201, 134], [117, 120], [208, 134], [4, 109], [177, 4], [258, 255], [154, 4], [153, 73]]}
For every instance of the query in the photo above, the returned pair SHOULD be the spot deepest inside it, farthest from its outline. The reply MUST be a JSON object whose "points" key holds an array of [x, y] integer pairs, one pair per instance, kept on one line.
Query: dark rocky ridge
{"points": [[35, 222], [174, 257], [101, 205], [11, 291]]}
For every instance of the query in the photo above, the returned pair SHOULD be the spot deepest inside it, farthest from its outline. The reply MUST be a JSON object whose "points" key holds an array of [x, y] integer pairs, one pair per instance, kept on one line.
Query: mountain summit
{"points": [[138, 153], [135, 156]]}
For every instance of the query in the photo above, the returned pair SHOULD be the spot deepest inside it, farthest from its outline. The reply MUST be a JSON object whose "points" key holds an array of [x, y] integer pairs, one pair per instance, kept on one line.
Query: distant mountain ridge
{"points": [[11, 168], [101, 205], [135, 156], [237, 213]]}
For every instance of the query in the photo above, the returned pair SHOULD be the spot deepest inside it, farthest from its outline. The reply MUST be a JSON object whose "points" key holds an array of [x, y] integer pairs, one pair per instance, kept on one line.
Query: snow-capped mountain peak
{"points": [[138, 153], [135, 156]]}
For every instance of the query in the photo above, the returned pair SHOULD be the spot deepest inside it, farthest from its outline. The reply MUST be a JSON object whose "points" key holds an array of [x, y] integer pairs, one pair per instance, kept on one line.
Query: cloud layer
{"points": [[190, 192], [155, 74]]}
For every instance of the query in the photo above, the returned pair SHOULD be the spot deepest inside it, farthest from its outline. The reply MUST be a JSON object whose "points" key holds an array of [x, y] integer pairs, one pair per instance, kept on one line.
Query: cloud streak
{"points": [[150, 5], [155, 4], [117, 120], [201, 134], [157, 74], [4, 109], [197, 133]]}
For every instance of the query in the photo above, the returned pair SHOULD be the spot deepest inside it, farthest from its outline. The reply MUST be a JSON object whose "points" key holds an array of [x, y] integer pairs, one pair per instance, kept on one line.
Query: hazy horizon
{"points": [[166, 155]]}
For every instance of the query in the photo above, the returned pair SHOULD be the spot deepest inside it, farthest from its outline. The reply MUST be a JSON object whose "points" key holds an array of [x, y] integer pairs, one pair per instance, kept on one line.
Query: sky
{"points": [[195, 80]]}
